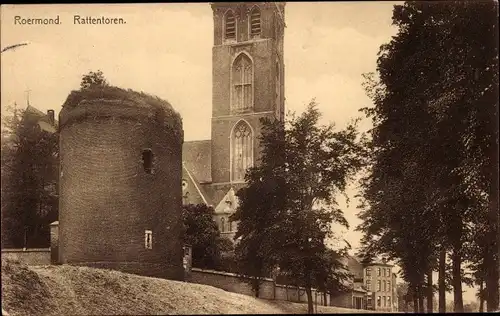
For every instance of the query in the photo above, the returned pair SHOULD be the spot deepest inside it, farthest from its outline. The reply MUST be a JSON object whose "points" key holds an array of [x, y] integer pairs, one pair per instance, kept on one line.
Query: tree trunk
{"points": [[494, 210], [325, 299], [493, 257], [310, 306], [430, 292], [491, 283], [415, 300], [421, 308], [442, 282], [481, 297], [457, 282]]}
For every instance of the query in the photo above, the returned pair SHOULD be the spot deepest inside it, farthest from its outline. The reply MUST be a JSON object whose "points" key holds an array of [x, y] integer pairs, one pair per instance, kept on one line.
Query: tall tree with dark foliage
{"points": [[289, 204], [435, 142], [29, 181]]}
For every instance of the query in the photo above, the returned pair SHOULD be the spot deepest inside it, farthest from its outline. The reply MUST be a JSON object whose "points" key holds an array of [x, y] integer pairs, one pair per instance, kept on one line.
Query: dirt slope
{"points": [[68, 290]]}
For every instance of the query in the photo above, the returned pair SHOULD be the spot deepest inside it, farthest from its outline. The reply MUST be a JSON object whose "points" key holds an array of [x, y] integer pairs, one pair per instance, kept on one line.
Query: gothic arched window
{"points": [[229, 25], [242, 82], [242, 150], [255, 28]]}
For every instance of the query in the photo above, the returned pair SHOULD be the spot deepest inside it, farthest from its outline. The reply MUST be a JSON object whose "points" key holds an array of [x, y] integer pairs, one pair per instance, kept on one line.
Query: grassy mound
{"points": [[69, 290], [111, 101], [115, 93]]}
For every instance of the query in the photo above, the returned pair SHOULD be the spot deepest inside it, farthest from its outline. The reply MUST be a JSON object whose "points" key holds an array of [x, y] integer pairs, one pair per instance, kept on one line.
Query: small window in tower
{"points": [[147, 161], [230, 25], [255, 22], [148, 239]]}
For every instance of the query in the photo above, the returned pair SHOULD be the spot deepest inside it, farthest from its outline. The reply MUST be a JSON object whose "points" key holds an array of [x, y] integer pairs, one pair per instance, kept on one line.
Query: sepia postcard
{"points": [[249, 158]]}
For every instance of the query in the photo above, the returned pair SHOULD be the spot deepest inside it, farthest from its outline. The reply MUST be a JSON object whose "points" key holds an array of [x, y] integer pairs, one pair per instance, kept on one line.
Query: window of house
{"points": [[148, 239], [383, 272], [369, 285], [230, 26], [230, 225], [385, 301], [255, 28], [368, 271], [378, 285], [369, 302], [385, 286], [379, 301], [388, 286], [242, 83], [388, 272], [147, 160], [222, 228], [242, 142], [378, 271], [389, 301]]}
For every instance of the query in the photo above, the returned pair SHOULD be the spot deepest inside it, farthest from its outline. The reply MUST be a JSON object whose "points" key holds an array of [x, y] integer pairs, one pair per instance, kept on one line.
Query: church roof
{"points": [[195, 193], [197, 170], [196, 157]]}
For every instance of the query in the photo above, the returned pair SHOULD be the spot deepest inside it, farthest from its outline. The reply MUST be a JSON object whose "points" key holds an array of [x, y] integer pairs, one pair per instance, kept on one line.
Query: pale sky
{"points": [[166, 50]]}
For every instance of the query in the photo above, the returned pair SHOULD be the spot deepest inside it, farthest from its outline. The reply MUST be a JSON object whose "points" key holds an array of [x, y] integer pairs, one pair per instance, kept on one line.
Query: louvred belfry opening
{"points": [[255, 22], [230, 26]]}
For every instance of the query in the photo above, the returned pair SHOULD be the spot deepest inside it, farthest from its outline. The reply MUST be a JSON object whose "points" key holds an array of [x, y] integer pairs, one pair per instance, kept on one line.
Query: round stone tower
{"points": [[120, 182]]}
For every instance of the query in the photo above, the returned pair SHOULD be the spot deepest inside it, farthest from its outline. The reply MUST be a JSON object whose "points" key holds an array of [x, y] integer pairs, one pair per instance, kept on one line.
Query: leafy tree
{"points": [[29, 181], [436, 94], [260, 208], [202, 233], [330, 275], [93, 79], [288, 206]]}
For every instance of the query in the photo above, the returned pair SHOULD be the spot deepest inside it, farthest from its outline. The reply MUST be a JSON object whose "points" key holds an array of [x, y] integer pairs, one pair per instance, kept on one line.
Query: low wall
{"points": [[268, 289], [35, 256], [230, 282]]}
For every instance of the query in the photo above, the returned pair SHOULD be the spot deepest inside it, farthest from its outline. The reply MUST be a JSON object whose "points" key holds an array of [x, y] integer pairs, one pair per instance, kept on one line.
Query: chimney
{"points": [[50, 115]]}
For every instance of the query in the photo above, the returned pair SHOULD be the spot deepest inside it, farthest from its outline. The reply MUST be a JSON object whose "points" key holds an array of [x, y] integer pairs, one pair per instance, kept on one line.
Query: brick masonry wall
{"points": [[107, 200], [38, 256], [242, 12], [269, 290], [344, 300], [263, 53]]}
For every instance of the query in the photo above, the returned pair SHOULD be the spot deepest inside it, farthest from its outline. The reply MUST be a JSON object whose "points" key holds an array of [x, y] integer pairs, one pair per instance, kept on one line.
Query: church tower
{"points": [[247, 75]]}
